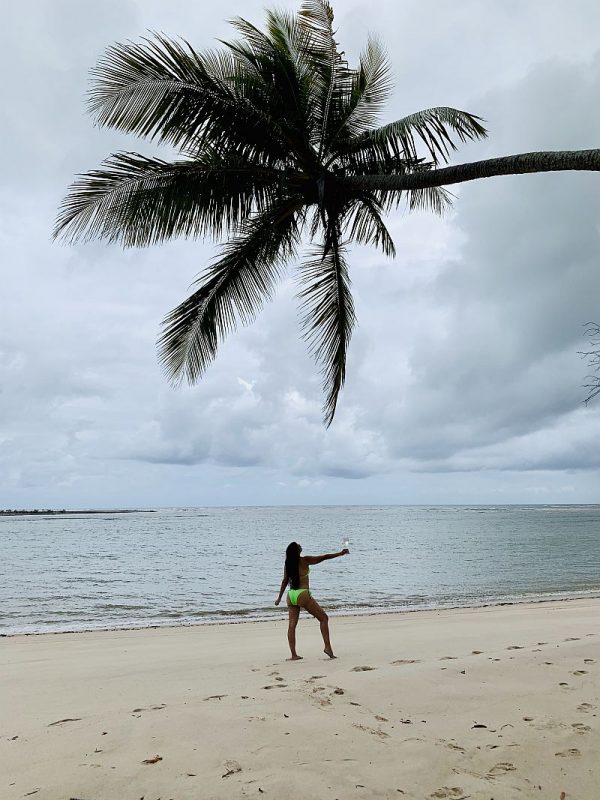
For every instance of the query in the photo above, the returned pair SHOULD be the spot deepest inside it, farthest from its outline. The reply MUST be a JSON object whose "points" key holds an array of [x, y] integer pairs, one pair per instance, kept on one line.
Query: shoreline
{"points": [[278, 616]]}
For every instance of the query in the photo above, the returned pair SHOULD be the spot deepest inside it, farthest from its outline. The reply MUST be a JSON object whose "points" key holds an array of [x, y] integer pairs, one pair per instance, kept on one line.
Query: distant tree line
{"points": [[15, 511]]}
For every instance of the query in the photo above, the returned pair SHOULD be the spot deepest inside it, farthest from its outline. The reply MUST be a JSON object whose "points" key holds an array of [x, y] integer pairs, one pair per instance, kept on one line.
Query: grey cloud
{"points": [[496, 356], [463, 374], [570, 446]]}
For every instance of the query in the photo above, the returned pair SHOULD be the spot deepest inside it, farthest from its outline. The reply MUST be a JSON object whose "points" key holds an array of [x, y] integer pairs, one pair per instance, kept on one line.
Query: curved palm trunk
{"points": [[550, 161]]}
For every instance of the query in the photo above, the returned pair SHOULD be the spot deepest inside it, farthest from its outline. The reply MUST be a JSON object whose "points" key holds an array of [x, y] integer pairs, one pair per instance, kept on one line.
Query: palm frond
{"points": [[138, 201], [234, 288], [163, 89], [328, 313], [317, 17], [369, 89], [272, 72], [433, 198], [367, 226], [366, 156], [435, 128], [257, 41], [330, 69]]}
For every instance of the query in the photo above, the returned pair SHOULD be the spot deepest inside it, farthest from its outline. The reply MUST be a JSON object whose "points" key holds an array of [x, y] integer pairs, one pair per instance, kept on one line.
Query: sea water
{"points": [[183, 566]]}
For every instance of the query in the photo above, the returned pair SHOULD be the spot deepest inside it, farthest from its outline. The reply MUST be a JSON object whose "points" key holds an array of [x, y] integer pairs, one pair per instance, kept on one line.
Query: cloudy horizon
{"points": [[464, 382]]}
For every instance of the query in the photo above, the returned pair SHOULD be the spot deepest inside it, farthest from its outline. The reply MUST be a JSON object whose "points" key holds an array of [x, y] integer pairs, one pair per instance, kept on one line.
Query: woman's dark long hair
{"points": [[292, 564]]}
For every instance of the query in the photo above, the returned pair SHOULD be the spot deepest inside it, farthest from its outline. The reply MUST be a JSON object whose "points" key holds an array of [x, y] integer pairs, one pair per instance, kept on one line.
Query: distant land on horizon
{"points": [[13, 512]]}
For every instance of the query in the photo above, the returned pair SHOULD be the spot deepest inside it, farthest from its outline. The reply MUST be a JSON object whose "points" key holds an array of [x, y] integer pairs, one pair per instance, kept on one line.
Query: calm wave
{"points": [[182, 566]]}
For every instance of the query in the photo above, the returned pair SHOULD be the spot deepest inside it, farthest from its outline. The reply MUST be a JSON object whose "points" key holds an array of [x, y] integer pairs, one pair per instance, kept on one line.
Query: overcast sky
{"points": [[464, 380]]}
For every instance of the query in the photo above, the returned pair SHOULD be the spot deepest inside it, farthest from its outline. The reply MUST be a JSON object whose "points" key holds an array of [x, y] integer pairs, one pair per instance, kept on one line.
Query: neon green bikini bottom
{"points": [[294, 594]]}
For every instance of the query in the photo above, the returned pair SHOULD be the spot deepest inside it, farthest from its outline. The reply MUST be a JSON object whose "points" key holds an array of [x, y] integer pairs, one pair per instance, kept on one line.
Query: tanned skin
{"points": [[307, 602]]}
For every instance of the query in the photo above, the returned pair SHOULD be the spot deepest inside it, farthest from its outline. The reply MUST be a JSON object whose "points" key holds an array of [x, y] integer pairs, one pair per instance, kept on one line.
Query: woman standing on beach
{"points": [[295, 574]]}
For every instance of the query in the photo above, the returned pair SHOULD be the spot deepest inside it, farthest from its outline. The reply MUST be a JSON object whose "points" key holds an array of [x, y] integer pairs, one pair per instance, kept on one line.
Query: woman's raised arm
{"points": [[317, 559]]}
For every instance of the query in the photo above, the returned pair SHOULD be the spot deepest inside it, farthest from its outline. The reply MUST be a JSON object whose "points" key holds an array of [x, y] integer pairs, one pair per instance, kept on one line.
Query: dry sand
{"points": [[482, 703]]}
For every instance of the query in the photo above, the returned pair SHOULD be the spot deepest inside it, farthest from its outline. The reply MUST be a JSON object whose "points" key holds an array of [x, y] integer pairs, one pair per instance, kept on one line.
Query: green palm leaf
{"points": [[138, 201], [271, 71], [434, 128], [164, 90], [328, 313], [370, 87], [233, 289], [433, 198], [331, 74], [367, 226]]}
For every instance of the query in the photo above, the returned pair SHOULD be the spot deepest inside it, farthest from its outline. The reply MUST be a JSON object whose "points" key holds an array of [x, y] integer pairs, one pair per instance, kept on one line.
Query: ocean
{"points": [[204, 565]]}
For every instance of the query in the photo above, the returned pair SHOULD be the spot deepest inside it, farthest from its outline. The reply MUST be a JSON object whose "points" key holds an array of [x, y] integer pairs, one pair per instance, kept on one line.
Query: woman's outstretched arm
{"points": [[284, 583], [326, 557]]}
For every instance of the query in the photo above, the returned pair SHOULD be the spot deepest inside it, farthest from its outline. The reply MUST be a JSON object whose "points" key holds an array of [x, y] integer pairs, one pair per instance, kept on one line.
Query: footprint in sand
{"points": [[402, 661], [585, 708], [373, 731], [231, 767], [540, 643], [580, 727], [476, 652], [320, 701], [580, 672], [500, 768], [572, 639], [454, 792], [276, 686], [361, 669], [448, 658], [573, 752], [456, 747], [589, 661], [515, 647]]}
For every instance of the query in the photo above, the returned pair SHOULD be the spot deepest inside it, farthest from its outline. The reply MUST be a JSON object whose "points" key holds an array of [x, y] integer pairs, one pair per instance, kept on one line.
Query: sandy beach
{"points": [[481, 703]]}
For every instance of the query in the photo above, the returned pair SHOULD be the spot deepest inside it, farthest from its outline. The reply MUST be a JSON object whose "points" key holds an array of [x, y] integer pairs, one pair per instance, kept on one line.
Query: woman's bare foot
{"points": [[329, 652], [295, 658]]}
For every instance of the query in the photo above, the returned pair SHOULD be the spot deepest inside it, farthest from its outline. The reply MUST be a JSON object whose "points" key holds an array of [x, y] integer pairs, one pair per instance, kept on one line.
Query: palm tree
{"points": [[279, 144]]}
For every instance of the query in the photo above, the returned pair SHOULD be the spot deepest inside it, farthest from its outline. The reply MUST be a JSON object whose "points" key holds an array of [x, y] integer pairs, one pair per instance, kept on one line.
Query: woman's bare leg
{"points": [[309, 604], [294, 615]]}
